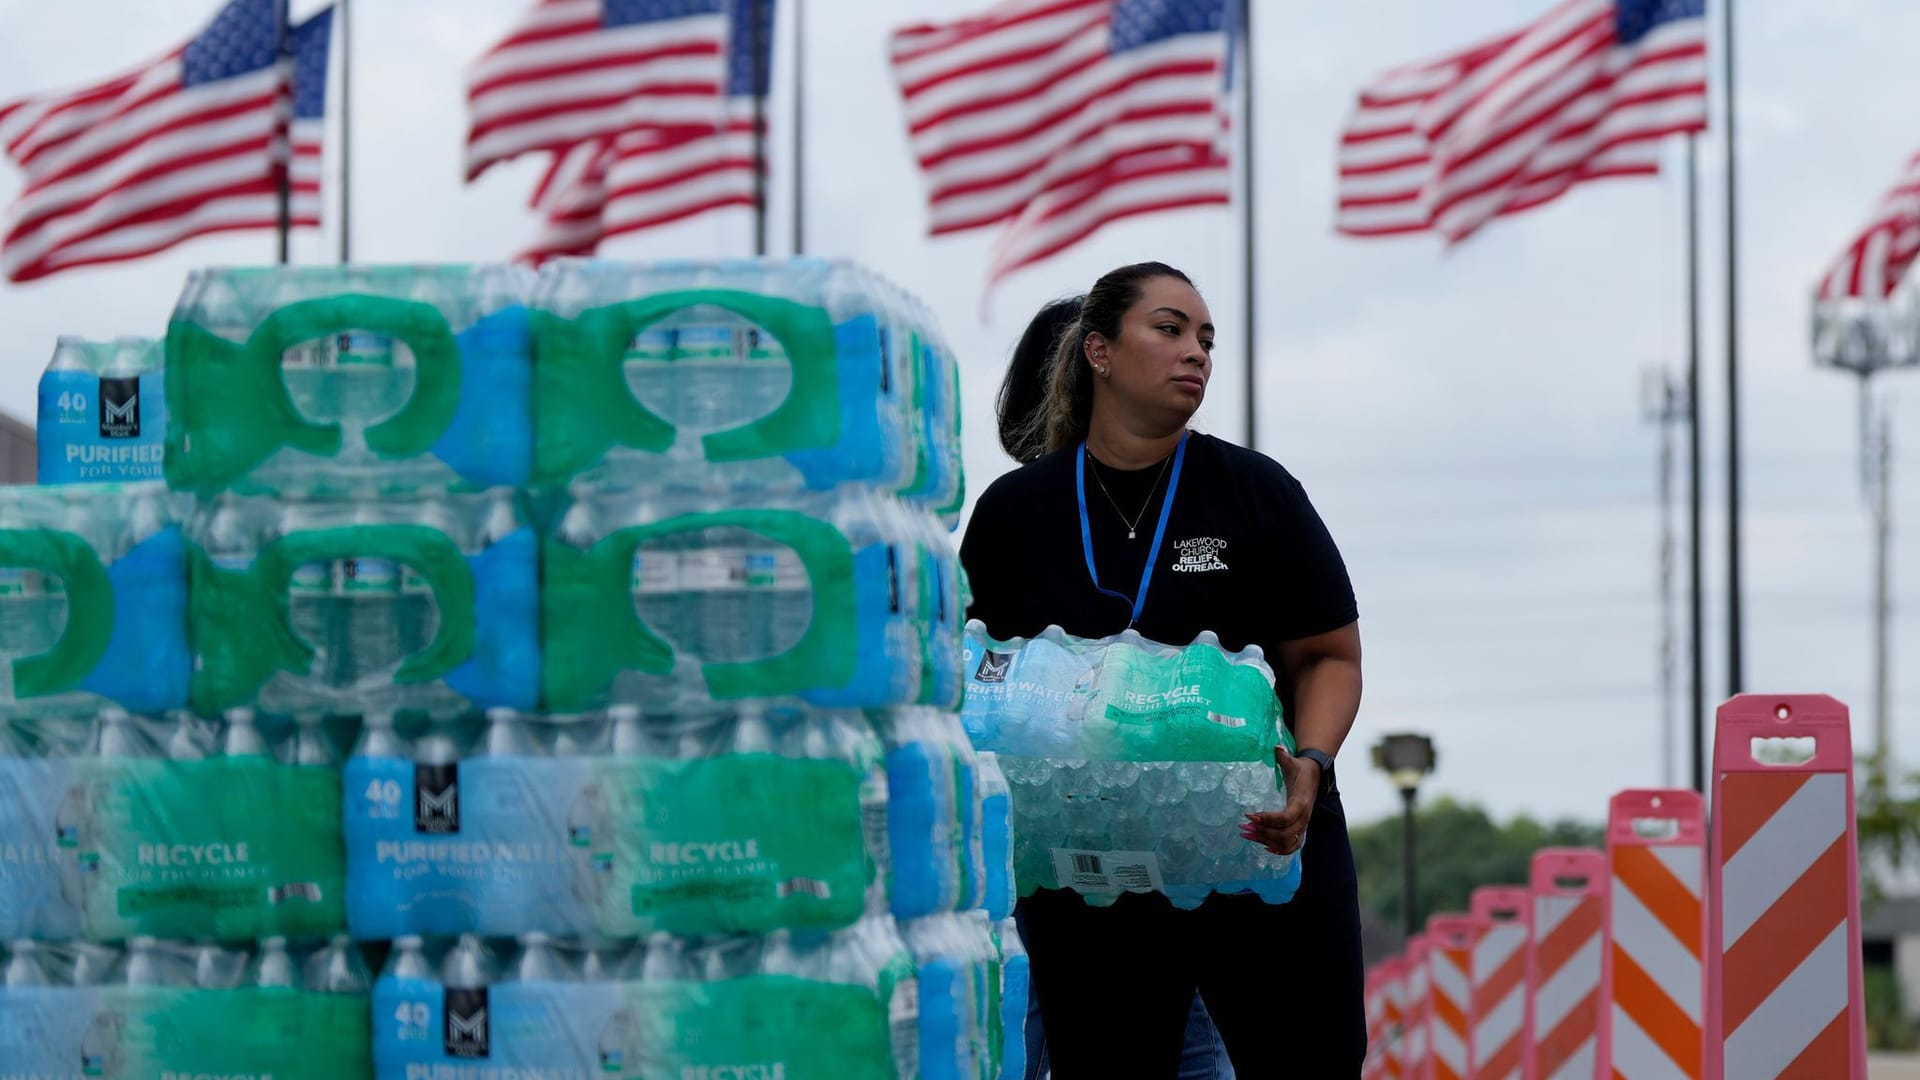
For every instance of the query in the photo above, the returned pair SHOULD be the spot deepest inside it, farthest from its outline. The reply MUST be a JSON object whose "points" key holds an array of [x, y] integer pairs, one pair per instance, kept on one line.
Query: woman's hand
{"points": [[1282, 832]]}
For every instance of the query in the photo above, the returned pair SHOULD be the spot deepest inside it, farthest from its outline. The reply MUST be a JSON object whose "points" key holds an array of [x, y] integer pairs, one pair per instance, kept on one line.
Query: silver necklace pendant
{"points": [[1130, 534]]}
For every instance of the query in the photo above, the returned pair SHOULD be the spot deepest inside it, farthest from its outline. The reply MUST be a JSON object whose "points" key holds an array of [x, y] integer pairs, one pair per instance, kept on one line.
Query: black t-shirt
{"points": [[1245, 555]]}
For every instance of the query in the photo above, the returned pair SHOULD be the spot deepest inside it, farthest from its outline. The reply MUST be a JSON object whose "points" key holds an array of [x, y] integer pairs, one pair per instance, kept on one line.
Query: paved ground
{"points": [[1891, 1067]]}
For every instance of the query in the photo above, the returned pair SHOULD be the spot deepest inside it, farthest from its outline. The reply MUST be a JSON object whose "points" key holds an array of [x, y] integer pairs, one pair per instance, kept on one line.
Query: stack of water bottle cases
{"points": [[516, 675]]}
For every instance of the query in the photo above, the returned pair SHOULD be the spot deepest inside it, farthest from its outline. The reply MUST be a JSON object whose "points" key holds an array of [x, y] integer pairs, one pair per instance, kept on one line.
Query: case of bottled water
{"points": [[173, 826], [750, 373], [103, 411], [732, 820], [1122, 698], [841, 599], [935, 834], [721, 819], [177, 1009], [1130, 763], [791, 1005], [350, 379], [93, 599], [425, 603]]}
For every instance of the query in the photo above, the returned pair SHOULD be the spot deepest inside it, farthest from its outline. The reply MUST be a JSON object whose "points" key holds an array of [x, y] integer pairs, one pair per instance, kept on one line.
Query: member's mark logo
{"points": [[993, 667]]}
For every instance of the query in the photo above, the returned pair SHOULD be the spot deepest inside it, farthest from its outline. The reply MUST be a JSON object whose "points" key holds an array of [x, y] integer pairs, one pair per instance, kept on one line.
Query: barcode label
{"points": [[1227, 721], [1109, 872], [813, 887], [294, 890]]}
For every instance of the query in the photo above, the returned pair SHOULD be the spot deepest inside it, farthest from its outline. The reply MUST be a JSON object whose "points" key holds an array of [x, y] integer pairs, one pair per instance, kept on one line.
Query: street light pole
{"points": [[1406, 759], [1409, 900]]}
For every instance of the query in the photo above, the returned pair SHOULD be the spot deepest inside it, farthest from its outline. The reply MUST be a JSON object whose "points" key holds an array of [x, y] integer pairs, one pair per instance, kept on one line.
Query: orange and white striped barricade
{"points": [[1501, 1025], [1784, 979], [1450, 941], [1379, 979], [1654, 980], [1394, 998], [1563, 965], [1416, 1054], [1383, 1019]]}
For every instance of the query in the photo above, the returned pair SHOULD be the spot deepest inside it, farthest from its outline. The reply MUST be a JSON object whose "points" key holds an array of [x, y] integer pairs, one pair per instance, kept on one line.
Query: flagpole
{"points": [[758, 35], [284, 167], [1696, 693], [1248, 350], [1736, 679], [799, 127], [346, 137]]}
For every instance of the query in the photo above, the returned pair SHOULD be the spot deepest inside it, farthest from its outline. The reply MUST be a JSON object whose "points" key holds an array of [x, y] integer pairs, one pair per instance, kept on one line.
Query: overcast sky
{"points": [[1468, 422]]}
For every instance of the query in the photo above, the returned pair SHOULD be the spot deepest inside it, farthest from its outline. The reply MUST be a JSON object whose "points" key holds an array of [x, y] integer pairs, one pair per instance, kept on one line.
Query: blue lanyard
{"points": [[1138, 600]]}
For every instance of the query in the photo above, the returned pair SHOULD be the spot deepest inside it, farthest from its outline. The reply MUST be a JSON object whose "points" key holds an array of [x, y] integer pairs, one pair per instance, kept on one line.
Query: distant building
{"points": [[1890, 938], [19, 458]]}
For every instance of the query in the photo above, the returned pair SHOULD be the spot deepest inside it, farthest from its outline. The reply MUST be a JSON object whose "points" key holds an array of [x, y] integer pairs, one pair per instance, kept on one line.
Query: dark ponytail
{"points": [[1023, 393], [1046, 399]]}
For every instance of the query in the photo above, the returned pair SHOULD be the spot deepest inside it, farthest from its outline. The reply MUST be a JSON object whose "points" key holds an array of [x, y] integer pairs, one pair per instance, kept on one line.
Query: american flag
{"points": [[1876, 261], [190, 144], [1054, 117], [572, 71], [310, 43], [664, 169], [1587, 91]]}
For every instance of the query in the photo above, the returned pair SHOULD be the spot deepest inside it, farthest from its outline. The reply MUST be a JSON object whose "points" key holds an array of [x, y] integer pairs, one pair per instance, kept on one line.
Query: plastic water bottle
{"points": [[369, 599], [336, 969], [96, 965], [23, 966], [273, 966], [189, 738], [378, 739], [922, 817], [629, 738], [149, 964], [940, 958], [666, 960], [538, 961], [657, 586], [101, 1052], [311, 747], [651, 377], [121, 737], [753, 734], [465, 974], [313, 607], [409, 960], [215, 968], [468, 965], [415, 614], [714, 582], [436, 759], [996, 835], [507, 735], [404, 1000], [240, 737], [782, 599]]}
